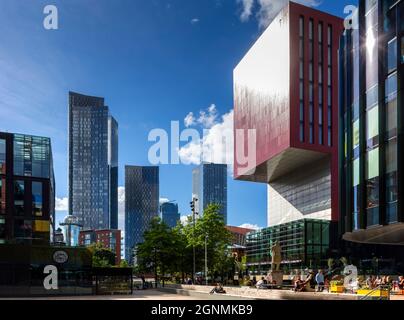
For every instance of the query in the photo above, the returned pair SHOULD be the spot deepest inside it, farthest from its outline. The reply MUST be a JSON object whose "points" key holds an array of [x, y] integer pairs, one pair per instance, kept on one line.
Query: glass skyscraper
{"points": [[169, 213], [372, 124], [141, 204], [27, 190], [209, 186], [93, 162]]}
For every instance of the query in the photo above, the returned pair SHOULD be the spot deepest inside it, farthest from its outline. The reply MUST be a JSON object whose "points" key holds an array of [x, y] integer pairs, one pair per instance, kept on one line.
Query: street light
{"points": [[206, 259], [193, 208]]}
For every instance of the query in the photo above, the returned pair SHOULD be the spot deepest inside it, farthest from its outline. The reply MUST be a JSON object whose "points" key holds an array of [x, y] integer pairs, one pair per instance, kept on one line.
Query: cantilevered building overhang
{"points": [[285, 89]]}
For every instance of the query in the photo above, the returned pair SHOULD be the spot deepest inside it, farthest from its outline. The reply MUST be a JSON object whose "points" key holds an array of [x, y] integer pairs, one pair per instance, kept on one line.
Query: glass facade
{"points": [[370, 116], [209, 186], [31, 156], [305, 243], [141, 204], [92, 162], [26, 189], [170, 214]]}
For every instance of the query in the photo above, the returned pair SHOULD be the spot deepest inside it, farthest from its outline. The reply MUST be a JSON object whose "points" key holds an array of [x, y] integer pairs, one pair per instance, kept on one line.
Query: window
{"points": [[22, 230], [391, 86], [301, 84], [391, 181], [2, 230], [355, 136], [329, 89], [372, 127], [37, 201], [372, 186], [391, 118], [2, 196], [19, 195], [392, 56], [2, 156], [402, 49]]}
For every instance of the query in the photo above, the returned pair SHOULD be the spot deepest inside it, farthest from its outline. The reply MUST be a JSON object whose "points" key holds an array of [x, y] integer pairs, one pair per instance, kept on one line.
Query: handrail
{"points": [[380, 288]]}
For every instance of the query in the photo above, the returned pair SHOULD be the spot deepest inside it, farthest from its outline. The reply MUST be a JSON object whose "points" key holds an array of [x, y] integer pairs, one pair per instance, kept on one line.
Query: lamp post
{"points": [[194, 213], [206, 259]]}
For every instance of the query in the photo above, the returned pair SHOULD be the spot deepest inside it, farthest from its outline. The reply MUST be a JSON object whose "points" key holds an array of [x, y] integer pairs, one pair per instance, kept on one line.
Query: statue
{"points": [[276, 254]]}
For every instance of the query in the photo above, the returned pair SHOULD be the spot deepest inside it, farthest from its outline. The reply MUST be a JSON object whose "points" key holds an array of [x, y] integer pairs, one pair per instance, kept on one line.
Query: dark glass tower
{"points": [[93, 158], [141, 204], [113, 171], [169, 214], [27, 190], [372, 125], [209, 186]]}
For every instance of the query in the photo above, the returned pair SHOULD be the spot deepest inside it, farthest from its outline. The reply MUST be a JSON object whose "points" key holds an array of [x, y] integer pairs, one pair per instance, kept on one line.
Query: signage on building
{"points": [[60, 257]]}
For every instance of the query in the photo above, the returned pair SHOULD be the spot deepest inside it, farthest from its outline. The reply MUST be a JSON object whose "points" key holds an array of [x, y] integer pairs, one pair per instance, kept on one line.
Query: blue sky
{"points": [[154, 61]]}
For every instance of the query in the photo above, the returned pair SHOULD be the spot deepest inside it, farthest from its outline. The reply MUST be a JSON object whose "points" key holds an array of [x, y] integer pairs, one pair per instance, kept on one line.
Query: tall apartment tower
{"points": [[141, 204], [113, 171], [169, 214], [93, 159], [209, 186]]}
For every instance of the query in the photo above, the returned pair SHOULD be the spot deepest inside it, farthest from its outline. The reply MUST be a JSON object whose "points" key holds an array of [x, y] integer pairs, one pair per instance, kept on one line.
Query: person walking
{"points": [[320, 281]]}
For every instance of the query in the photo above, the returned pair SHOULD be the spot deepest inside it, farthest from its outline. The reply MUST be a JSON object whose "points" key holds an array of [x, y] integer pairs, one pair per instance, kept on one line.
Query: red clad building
{"points": [[286, 89], [110, 239]]}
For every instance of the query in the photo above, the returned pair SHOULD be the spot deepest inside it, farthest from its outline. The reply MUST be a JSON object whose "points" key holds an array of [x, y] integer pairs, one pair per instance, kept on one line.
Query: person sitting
{"points": [[218, 289], [261, 284], [401, 283], [299, 285]]}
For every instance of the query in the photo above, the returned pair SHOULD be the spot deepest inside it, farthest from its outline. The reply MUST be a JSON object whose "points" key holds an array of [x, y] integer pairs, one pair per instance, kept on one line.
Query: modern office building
{"points": [[209, 186], [372, 126], [93, 159], [110, 239], [141, 204], [27, 190], [305, 243], [286, 89], [113, 171], [239, 235], [71, 230], [169, 213]]}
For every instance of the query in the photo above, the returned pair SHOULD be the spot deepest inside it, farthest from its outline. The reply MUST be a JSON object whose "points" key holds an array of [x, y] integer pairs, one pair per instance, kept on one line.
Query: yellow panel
{"points": [[41, 226]]}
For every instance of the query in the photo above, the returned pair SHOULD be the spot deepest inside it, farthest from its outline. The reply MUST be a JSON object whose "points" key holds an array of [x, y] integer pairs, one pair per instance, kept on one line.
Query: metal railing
{"points": [[383, 290]]}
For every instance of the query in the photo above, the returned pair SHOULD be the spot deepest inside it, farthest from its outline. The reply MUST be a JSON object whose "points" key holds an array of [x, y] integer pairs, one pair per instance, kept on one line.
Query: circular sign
{"points": [[60, 257]]}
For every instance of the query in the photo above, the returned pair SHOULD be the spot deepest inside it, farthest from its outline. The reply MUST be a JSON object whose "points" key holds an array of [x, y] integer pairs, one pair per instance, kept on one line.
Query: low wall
{"points": [[265, 294]]}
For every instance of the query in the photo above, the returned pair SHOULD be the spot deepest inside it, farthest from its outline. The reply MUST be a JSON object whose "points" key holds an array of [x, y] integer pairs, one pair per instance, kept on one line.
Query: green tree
{"points": [[210, 227], [102, 257], [157, 253], [124, 264]]}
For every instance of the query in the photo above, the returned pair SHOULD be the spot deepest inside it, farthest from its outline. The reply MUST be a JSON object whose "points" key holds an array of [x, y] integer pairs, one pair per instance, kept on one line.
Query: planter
{"points": [[337, 288]]}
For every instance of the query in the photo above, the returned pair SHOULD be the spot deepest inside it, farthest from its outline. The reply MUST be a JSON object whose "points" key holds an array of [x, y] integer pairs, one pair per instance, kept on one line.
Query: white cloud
{"points": [[195, 20], [207, 118], [268, 9], [189, 120], [217, 143], [164, 200], [250, 226], [247, 9], [62, 204]]}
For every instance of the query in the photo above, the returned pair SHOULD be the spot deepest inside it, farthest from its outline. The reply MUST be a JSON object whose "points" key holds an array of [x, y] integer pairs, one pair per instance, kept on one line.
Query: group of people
{"points": [[312, 281], [372, 282]]}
